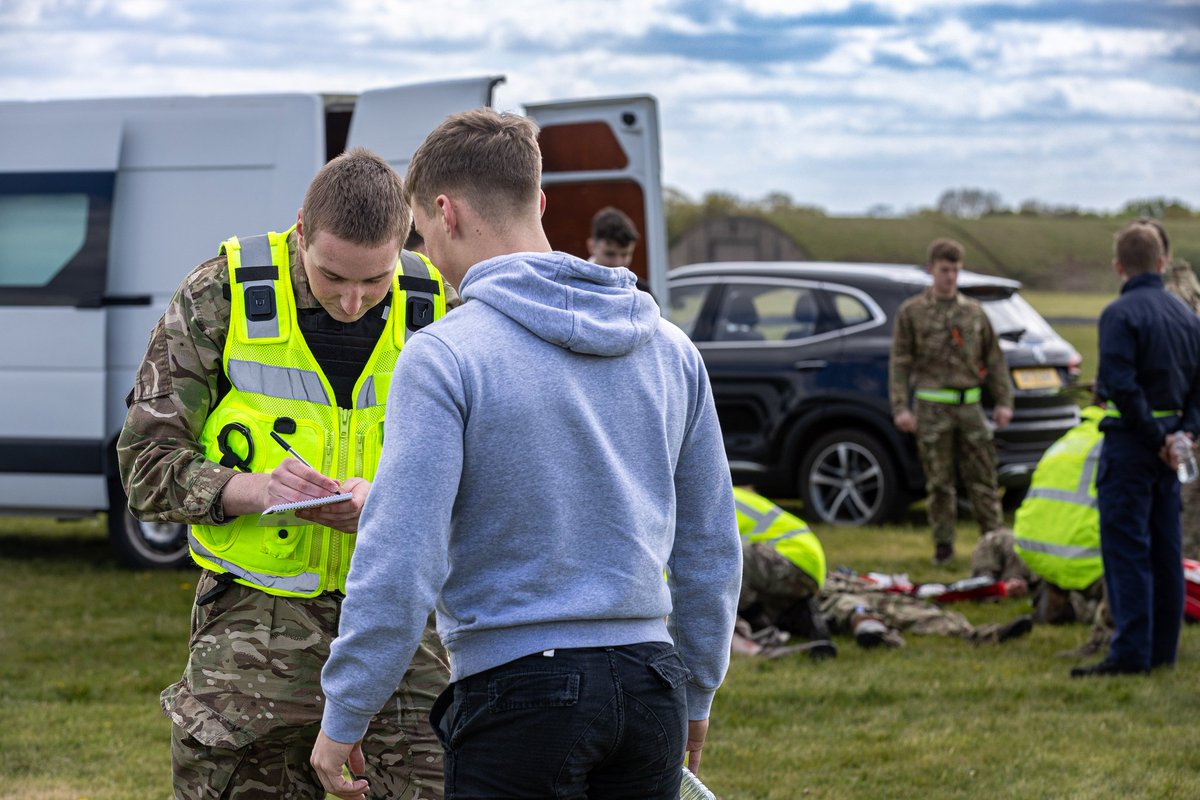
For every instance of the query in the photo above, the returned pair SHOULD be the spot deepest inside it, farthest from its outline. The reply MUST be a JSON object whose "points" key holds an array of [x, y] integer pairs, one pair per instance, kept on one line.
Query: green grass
{"points": [[85, 648]]}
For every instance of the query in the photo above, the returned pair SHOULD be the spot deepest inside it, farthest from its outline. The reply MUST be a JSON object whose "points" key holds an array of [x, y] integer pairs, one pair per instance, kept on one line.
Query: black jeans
{"points": [[599, 722]]}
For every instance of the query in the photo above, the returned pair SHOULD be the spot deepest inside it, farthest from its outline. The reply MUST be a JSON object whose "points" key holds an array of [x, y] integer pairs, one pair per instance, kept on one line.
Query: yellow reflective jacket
{"points": [[760, 520], [1057, 527], [277, 384]]}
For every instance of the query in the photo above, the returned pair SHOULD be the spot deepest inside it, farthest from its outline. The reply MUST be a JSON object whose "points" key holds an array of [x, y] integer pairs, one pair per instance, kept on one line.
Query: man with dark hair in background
{"points": [[1149, 373], [613, 240]]}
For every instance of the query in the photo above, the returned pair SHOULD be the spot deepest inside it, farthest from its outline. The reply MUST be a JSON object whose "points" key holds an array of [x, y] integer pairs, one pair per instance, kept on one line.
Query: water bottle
{"points": [[690, 788], [1186, 471]]}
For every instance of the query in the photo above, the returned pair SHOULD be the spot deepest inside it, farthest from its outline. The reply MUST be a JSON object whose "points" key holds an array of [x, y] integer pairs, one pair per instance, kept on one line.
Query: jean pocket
{"points": [[540, 689], [669, 669]]}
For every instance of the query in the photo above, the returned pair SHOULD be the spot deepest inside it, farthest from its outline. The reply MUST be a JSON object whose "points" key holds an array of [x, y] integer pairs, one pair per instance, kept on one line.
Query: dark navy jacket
{"points": [[1149, 361]]}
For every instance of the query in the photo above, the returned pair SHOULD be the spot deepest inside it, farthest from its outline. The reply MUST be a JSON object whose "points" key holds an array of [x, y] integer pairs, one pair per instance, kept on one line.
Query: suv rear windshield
{"points": [[1011, 316]]}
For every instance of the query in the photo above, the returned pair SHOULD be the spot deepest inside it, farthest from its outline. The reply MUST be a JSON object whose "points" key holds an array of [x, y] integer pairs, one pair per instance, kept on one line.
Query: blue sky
{"points": [[840, 104]]}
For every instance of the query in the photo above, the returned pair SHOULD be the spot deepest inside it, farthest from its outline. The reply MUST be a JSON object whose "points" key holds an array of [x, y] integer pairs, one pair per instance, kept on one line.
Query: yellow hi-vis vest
{"points": [[1057, 527], [274, 376], [760, 520]]}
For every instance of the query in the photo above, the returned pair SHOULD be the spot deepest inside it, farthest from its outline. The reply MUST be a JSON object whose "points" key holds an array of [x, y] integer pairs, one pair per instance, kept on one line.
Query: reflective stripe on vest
{"points": [[1057, 529], [286, 382], [304, 583], [256, 259], [951, 397], [761, 521]]}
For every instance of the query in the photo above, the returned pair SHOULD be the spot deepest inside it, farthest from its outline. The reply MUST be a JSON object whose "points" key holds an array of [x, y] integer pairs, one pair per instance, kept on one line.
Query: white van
{"points": [[106, 204]]}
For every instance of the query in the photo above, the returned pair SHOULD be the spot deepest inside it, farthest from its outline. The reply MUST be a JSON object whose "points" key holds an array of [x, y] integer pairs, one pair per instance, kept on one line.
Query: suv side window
{"points": [[767, 313], [687, 301], [850, 310]]}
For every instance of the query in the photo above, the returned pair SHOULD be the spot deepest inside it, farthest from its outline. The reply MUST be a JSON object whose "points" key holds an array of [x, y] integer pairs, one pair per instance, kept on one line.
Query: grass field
{"points": [[85, 648]]}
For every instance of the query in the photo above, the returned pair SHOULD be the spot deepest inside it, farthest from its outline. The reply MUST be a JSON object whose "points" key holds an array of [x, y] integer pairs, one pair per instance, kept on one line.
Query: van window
{"points": [[39, 235], [54, 235]]}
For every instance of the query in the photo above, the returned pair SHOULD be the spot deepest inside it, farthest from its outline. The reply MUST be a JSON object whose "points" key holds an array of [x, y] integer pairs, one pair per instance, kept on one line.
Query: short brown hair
{"points": [[1161, 231], [614, 225], [945, 250], [490, 158], [1138, 248], [357, 197]]}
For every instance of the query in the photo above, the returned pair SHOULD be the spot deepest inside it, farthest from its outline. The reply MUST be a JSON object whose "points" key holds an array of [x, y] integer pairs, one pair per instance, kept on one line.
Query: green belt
{"points": [[952, 397], [1112, 412]]}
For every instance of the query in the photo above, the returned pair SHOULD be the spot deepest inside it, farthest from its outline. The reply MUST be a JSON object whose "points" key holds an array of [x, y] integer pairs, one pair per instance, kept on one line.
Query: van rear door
{"points": [[394, 121], [604, 152], [57, 174]]}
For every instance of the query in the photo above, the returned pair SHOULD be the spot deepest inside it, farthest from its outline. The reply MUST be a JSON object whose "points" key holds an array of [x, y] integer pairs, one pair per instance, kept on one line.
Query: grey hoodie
{"points": [[551, 451]]}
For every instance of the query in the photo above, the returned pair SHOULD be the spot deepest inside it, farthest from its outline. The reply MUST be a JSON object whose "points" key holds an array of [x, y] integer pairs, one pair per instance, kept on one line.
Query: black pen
{"points": [[283, 443]]}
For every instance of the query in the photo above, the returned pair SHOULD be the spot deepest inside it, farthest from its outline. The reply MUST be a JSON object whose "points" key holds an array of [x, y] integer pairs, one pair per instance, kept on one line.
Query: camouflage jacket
{"points": [[163, 466], [945, 344], [1181, 281]]}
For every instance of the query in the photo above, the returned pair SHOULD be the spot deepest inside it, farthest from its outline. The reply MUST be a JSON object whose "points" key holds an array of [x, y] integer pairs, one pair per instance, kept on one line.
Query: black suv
{"points": [[797, 353]]}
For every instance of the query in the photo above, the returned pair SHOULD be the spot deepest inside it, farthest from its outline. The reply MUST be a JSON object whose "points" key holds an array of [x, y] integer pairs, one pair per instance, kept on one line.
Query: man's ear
{"points": [[1117, 268], [300, 226], [447, 215], [541, 203]]}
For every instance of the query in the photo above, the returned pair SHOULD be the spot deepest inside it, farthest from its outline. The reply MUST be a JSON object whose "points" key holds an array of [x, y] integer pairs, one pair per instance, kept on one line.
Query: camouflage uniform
{"points": [[844, 596], [1181, 281], [248, 707], [949, 344], [996, 557]]}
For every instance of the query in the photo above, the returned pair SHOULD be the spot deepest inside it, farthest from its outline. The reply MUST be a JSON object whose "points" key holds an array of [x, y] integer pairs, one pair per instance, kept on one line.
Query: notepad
{"points": [[284, 514]]}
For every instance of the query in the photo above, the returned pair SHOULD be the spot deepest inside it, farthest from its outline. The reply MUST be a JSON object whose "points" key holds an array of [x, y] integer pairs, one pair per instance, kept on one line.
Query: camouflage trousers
{"points": [[943, 432], [248, 708], [845, 595], [771, 581]]}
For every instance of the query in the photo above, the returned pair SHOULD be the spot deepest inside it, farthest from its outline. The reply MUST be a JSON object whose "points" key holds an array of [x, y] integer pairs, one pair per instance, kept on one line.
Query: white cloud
{"points": [[934, 95]]}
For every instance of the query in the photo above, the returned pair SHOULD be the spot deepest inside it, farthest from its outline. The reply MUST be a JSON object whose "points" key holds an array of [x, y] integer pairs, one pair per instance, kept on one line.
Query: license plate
{"points": [[1037, 378]]}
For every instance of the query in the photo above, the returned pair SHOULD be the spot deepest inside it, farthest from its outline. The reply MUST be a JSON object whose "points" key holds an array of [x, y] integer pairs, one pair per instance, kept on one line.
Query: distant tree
{"points": [[969, 203], [881, 210], [718, 204], [1158, 208]]}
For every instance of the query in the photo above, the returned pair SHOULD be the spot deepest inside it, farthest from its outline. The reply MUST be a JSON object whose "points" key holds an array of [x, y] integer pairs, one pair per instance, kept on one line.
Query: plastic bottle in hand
{"points": [[1187, 459], [690, 788]]}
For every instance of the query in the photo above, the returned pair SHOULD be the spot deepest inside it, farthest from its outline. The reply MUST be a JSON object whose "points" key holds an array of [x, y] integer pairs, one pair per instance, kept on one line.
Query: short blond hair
{"points": [[492, 159], [357, 197]]}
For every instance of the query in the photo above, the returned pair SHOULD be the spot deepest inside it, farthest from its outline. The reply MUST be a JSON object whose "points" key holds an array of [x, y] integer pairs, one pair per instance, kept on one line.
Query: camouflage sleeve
{"points": [[998, 382], [452, 298], [900, 362], [162, 463]]}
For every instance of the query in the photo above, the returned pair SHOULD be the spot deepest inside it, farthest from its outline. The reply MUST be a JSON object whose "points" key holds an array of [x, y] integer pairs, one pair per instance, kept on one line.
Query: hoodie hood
{"points": [[569, 302]]}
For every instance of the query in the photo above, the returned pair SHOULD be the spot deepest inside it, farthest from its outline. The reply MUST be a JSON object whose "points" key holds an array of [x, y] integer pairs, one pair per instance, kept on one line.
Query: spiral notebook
{"points": [[284, 514]]}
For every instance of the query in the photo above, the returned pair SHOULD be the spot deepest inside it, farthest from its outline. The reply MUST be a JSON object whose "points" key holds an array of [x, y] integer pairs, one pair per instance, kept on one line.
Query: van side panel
{"points": [[185, 174]]}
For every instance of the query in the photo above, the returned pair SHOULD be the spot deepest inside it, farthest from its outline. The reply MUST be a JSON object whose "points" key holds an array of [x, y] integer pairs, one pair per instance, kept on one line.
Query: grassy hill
{"points": [[1052, 253]]}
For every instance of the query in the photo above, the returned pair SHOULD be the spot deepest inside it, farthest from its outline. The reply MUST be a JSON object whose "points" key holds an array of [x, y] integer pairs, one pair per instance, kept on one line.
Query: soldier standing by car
{"points": [[944, 350]]}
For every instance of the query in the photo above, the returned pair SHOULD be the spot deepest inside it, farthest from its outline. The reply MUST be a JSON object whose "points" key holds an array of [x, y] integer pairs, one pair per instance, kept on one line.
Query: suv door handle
{"points": [[814, 364]]}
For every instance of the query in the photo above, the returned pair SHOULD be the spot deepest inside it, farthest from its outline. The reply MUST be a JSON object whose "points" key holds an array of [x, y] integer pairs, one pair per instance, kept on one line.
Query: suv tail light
{"points": [[1073, 364]]}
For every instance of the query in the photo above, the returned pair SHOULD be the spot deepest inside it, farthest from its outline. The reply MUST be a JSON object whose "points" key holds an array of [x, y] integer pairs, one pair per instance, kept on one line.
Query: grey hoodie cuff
{"points": [[698, 702], [343, 724]]}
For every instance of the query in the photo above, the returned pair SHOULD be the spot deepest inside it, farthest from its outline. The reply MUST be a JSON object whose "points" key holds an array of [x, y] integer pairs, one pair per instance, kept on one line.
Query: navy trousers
{"points": [[603, 722], [1138, 498]]}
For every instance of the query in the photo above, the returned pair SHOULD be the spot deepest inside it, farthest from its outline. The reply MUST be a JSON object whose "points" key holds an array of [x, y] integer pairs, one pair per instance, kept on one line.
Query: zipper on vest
{"points": [[345, 417]]}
